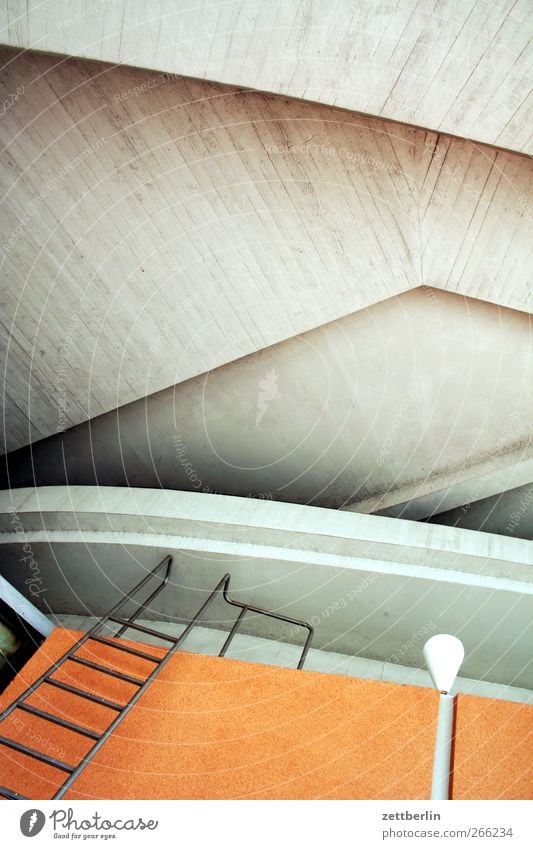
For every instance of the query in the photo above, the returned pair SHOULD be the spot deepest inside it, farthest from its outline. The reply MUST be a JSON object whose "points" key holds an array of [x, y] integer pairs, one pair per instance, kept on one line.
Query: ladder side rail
{"points": [[10, 794], [118, 719], [94, 630]]}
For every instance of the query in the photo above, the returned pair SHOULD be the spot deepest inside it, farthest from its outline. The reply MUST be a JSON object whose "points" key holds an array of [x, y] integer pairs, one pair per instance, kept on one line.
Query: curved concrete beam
{"points": [[371, 585], [473, 483], [388, 406]]}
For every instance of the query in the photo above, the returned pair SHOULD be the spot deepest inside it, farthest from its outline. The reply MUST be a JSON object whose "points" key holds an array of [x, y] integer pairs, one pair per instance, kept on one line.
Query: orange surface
{"points": [[493, 750], [214, 728]]}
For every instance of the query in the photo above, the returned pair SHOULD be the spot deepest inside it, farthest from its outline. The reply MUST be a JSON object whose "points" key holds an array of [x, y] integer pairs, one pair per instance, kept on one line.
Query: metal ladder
{"points": [[121, 710]]}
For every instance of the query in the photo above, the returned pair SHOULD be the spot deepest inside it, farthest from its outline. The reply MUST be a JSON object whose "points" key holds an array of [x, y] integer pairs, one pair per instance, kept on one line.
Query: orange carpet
{"points": [[493, 756], [214, 728]]}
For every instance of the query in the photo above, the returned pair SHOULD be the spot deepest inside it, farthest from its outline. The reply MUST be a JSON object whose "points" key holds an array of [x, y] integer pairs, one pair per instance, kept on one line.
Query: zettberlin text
{"points": [[407, 815]]}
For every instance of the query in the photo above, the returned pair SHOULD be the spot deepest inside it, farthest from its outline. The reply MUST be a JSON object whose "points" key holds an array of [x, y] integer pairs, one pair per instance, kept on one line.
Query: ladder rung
{"points": [[84, 694], [10, 794], [33, 753], [136, 652], [143, 629], [114, 672], [57, 720]]}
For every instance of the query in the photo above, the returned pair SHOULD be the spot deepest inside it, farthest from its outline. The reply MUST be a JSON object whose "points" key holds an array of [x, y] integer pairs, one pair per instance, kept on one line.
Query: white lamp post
{"points": [[444, 655]]}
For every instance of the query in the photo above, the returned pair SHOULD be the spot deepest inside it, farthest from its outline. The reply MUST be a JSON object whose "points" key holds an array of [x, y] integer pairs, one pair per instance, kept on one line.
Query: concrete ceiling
{"points": [[457, 67], [154, 229]]}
